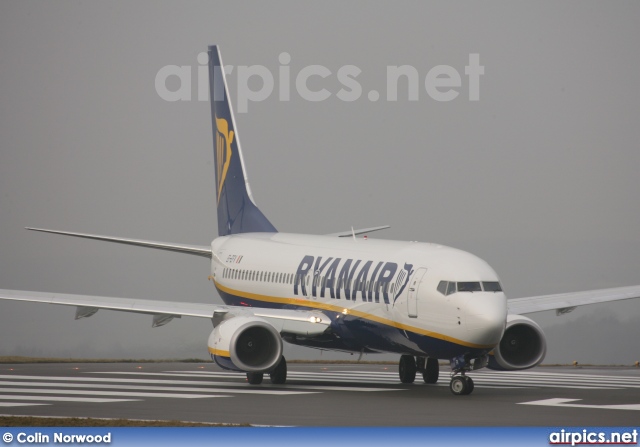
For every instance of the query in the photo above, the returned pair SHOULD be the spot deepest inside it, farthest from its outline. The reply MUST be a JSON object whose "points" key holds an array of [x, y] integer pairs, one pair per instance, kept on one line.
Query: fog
{"points": [[539, 176]]}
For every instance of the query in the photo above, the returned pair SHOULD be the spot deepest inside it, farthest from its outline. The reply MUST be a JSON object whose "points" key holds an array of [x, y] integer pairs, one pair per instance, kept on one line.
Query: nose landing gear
{"points": [[461, 385]]}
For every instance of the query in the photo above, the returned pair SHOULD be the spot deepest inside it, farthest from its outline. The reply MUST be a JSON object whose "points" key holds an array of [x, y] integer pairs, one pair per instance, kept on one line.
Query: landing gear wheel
{"points": [[279, 374], [470, 385], [407, 369], [255, 378], [432, 371], [458, 385], [461, 385]]}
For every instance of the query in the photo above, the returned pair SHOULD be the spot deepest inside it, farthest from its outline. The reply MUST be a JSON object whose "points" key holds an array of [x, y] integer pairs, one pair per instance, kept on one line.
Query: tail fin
{"points": [[237, 212]]}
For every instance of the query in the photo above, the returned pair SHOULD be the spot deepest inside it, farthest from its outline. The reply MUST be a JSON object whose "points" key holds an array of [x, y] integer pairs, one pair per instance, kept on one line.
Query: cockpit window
{"points": [[452, 288], [469, 287], [491, 286], [449, 287]]}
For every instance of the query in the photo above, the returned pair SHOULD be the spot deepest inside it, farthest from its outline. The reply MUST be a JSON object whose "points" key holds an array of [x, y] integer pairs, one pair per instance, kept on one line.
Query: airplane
{"points": [[424, 301]]}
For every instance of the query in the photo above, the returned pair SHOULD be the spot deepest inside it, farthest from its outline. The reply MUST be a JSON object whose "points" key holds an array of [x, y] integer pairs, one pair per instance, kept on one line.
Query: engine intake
{"points": [[248, 344], [522, 346]]}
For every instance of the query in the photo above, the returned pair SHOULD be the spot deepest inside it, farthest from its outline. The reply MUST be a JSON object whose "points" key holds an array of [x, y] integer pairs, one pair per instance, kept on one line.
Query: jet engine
{"points": [[522, 346], [245, 343]]}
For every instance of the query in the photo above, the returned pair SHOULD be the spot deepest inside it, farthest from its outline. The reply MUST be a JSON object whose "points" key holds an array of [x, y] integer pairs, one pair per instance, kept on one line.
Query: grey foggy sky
{"points": [[539, 177]]}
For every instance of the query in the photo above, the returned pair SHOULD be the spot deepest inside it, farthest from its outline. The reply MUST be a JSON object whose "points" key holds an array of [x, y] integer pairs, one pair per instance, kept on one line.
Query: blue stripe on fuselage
{"points": [[352, 333]]}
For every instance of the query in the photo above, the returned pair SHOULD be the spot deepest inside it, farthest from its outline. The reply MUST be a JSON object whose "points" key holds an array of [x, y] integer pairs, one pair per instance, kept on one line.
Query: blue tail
{"points": [[237, 212]]}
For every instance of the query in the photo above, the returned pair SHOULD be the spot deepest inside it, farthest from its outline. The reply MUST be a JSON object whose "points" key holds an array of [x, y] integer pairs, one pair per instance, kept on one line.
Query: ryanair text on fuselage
{"points": [[333, 277]]}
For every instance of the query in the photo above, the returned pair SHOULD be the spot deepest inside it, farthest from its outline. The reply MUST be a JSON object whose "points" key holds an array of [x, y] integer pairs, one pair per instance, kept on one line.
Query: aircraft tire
{"points": [[458, 386], [407, 369], [255, 378], [279, 374], [432, 371], [470, 385]]}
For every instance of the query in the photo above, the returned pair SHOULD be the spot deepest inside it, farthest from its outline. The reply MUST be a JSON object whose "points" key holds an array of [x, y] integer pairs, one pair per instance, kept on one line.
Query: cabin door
{"points": [[412, 295]]}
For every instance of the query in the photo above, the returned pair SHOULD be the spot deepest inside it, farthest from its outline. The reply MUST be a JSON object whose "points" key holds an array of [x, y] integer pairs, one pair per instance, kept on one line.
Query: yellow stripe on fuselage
{"points": [[339, 309]]}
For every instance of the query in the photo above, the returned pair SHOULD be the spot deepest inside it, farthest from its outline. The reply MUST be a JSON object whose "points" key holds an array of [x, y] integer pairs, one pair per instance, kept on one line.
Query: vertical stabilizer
{"points": [[237, 212]]}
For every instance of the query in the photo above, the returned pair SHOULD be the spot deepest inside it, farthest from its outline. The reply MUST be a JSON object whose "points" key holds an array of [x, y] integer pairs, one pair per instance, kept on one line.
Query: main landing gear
{"points": [[278, 375], [408, 367]]}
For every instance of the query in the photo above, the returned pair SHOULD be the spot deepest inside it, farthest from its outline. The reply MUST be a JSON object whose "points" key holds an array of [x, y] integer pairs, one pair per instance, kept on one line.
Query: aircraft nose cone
{"points": [[486, 315]]}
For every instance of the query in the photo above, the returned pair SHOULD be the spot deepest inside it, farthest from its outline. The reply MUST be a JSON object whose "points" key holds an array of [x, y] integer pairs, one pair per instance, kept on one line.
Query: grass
{"points": [[29, 421], [21, 359]]}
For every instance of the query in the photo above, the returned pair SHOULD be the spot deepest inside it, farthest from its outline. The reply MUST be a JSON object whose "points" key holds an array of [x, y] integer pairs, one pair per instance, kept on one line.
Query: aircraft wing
{"points": [[566, 302], [285, 320], [180, 248]]}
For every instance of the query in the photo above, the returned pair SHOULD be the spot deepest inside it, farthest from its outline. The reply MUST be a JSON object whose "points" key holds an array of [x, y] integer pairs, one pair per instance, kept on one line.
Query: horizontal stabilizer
{"points": [[353, 232], [198, 250]]}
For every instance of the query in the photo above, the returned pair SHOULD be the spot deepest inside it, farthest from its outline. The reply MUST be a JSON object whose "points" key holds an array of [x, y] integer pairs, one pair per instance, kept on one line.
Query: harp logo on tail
{"points": [[224, 138]]}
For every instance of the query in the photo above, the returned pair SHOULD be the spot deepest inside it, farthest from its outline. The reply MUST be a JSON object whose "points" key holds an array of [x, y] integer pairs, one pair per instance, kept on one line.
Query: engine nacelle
{"points": [[247, 344], [522, 346]]}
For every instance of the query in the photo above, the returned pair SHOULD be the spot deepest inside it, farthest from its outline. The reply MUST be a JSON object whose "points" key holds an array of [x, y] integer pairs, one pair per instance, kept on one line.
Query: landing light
{"points": [[315, 319]]}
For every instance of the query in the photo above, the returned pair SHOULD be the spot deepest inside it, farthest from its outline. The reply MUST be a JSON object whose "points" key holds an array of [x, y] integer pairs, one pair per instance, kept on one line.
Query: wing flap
{"points": [[566, 302]]}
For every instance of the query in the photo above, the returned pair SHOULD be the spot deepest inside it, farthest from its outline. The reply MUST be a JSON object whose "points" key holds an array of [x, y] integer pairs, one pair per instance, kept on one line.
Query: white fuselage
{"points": [[382, 295]]}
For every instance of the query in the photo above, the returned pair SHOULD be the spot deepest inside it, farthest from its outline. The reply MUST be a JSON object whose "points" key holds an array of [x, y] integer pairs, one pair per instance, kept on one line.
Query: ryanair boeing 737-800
{"points": [[423, 301]]}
